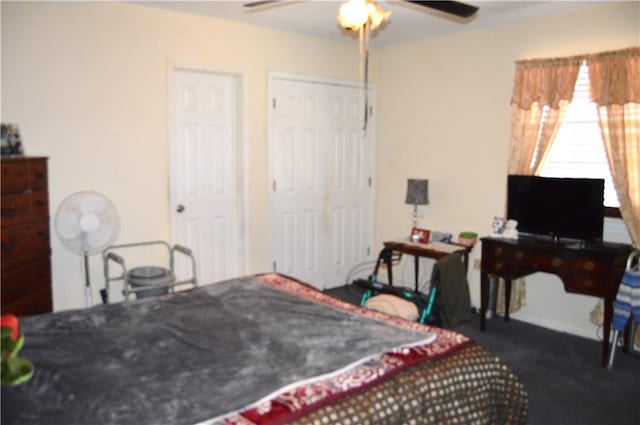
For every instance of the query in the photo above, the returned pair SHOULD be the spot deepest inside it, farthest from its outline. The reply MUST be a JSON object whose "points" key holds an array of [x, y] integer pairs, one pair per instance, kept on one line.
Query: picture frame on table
{"points": [[419, 235]]}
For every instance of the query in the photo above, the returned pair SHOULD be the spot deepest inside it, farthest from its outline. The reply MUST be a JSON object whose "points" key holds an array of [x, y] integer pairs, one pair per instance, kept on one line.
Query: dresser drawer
{"points": [[24, 207], [37, 302], [25, 240], [38, 174], [21, 175], [25, 278], [15, 176]]}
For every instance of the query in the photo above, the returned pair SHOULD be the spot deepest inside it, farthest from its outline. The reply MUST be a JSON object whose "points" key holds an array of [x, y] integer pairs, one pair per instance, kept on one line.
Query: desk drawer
{"points": [[544, 262], [594, 284], [592, 277], [499, 256], [495, 266]]}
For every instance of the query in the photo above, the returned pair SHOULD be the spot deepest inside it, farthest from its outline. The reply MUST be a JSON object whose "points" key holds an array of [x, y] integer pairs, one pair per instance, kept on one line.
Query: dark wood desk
{"points": [[423, 250], [594, 270]]}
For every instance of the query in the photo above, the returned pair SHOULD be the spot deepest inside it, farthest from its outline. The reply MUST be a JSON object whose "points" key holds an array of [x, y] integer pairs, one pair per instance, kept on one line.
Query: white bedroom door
{"points": [[205, 189], [321, 169]]}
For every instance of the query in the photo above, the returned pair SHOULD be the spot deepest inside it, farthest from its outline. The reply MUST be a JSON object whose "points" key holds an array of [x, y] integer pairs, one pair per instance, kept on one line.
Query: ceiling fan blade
{"points": [[453, 7], [260, 3]]}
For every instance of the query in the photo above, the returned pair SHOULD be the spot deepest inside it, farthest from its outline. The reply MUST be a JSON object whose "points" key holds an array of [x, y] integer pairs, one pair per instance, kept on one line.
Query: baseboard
{"points": [[553, 325], [560, 327]]}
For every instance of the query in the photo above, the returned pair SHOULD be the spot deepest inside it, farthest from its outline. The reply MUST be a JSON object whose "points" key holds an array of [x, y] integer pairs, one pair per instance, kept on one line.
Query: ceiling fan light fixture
{"points": [[363, 17], [377, 15], [355, 14]]}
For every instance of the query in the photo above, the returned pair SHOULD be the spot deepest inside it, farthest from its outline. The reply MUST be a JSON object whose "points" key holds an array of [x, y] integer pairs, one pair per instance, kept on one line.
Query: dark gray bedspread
{"points": [[184, 358]]}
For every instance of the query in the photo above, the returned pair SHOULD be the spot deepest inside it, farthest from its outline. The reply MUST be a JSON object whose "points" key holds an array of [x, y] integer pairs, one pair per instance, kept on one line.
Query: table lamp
{"points": [[417, 194]]}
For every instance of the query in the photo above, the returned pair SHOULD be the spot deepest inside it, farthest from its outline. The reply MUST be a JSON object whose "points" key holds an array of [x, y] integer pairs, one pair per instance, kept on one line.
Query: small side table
{"points": [[435, 250]]}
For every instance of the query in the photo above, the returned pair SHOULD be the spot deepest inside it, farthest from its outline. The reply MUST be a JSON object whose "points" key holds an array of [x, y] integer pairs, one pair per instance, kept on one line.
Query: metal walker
{"points": [[145, 281]]}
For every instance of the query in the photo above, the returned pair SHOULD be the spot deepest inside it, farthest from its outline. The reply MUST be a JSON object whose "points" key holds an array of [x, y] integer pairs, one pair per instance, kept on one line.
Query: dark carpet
{"points": [[561, 372]]}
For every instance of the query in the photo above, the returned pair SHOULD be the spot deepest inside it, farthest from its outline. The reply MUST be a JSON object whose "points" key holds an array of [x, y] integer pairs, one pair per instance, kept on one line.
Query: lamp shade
{"points": [[417, 192]]}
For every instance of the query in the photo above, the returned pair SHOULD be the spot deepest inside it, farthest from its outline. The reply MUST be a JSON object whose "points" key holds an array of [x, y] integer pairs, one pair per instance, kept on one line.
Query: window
{"points": [[578, 150]]}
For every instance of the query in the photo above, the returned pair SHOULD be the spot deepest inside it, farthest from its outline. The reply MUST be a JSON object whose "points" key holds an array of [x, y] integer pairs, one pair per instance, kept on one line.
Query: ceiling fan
{"points": [[456, 8], [365, 16]]}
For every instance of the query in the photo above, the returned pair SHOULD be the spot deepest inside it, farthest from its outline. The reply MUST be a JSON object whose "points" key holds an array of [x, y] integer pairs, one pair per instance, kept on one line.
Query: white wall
{"points": [[444, 115], [87, 83]]}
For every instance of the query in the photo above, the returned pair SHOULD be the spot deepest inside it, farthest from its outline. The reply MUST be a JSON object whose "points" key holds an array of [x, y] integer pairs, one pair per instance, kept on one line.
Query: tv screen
{"points": [[557, 207]]}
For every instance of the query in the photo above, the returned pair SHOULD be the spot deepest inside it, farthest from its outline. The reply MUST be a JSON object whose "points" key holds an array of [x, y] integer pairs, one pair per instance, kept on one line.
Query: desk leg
{"points": [[606, 330], [484, 297], [507, 297], [416, 267]]}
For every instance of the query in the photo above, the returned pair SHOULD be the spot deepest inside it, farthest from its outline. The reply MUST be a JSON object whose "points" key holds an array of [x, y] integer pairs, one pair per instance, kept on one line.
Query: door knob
{"points": [[180, 208]]}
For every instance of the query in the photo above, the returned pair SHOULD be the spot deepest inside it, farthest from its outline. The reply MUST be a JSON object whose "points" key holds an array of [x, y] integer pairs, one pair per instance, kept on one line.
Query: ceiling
{"points": [[408, 23]]}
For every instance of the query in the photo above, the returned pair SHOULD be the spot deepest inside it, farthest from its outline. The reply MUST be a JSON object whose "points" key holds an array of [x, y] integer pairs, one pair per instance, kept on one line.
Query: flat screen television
{"points": [[557, 207]]}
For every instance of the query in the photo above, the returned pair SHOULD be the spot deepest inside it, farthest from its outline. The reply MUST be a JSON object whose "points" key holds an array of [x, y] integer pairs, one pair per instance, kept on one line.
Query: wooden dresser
{"points": [[25, 250]]}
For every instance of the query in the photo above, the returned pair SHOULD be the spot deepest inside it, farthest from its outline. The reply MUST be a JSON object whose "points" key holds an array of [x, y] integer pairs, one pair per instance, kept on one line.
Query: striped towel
{"points": [[627, 301]]}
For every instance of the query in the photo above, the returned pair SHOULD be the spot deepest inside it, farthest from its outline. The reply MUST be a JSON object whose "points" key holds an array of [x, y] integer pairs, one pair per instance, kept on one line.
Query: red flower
{"points": [[11, 321]]}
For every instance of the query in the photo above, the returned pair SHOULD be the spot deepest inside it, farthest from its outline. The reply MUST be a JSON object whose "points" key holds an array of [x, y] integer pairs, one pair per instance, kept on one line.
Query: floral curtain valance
{"points": [[614, 77], [545, 81]]}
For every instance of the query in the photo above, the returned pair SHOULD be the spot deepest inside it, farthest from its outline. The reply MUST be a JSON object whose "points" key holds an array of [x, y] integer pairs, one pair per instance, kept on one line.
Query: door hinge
{"points": [[370, 181], [368, 250], [274, 185], [274, 103], [370, 110], [274, 266]]}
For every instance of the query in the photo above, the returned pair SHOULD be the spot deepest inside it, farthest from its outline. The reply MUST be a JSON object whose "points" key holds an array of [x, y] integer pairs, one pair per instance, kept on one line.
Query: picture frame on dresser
{"points": [[10, 140]]}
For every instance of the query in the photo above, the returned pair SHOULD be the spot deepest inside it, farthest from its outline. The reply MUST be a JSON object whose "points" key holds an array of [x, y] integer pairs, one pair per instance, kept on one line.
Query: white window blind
{"points": [[578, 150]]}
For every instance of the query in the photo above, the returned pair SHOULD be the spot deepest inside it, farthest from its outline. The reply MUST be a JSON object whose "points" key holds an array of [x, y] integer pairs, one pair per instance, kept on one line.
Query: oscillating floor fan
{"points": [[87, 223]]}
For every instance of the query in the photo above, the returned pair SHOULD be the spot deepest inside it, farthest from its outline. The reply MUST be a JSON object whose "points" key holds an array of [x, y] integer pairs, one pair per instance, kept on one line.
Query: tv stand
{"points": [[594, 270]]}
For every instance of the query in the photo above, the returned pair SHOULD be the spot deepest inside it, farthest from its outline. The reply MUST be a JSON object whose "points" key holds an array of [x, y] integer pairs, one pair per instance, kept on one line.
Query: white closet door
{"points": [[349, 167], [204, 176], [297, 225], [321, 221]]}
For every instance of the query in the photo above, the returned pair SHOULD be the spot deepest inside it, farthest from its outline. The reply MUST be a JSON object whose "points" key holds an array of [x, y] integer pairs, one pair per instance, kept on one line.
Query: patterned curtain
{"points": [[614, 80], [542, 92]]}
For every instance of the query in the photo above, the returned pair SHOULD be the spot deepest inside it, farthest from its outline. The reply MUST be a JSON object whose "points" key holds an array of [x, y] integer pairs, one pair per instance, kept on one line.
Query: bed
{"points": [[263, 349]]}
